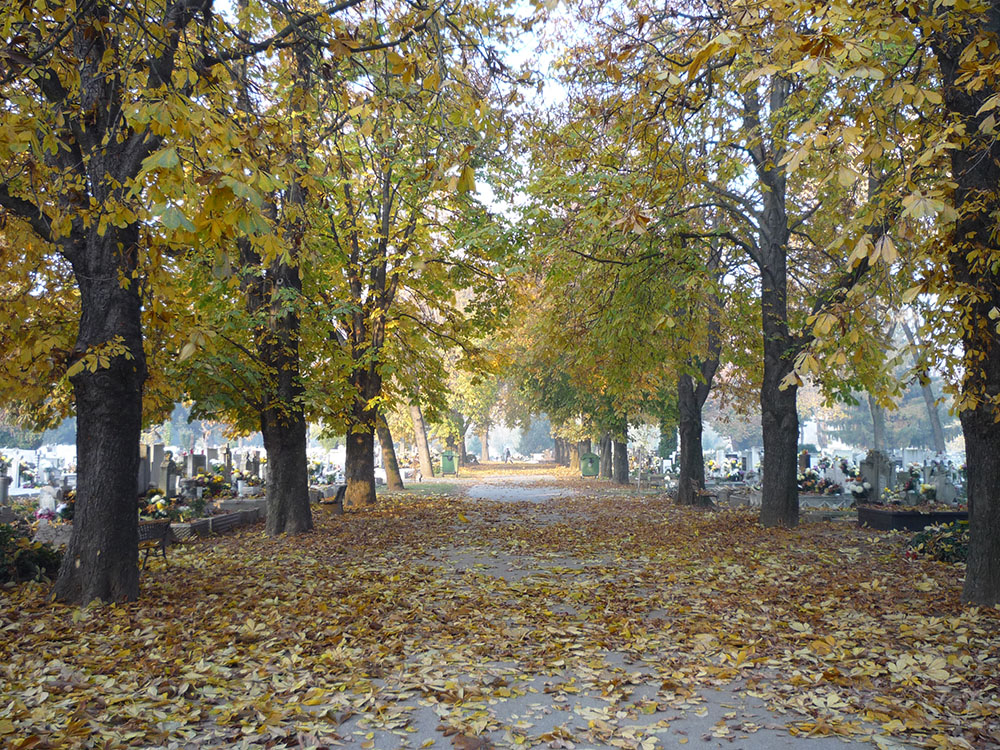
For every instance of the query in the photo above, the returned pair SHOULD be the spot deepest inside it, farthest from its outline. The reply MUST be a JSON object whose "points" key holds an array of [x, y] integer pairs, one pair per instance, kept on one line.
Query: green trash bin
{"points": [[449, 462], [590, 464]]}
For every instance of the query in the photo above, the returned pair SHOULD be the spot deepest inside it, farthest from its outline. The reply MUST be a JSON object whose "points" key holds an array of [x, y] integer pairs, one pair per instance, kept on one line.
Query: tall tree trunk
{"points": [[557, 451], [288, 510], [484, 437], [420, 435], [574, 455], [359, 468], [393, 477], [878, 423], [606, 462], [585, 446], [620, 462], [692, 458], [101, 560], [975, 170], [930, 403], [780, 426], [779, 418]]}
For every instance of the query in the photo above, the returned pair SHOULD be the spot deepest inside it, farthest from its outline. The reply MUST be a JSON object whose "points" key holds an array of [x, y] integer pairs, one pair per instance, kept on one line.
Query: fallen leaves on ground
{"points": [[437, 603]]}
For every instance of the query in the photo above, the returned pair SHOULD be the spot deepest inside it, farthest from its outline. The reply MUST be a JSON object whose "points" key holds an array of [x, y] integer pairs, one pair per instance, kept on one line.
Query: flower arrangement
{"points": [[46, 514], [810, 481], [67, 509]]}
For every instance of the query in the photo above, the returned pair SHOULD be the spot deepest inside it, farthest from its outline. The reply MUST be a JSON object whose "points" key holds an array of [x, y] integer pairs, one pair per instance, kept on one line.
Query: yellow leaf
{"points": [[186, 351], [462, 518], [886, 250], [432, 82], [910, 294]]}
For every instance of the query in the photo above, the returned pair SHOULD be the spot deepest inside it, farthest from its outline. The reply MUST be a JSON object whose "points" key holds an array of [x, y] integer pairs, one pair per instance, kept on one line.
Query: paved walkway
{"points": [[617, 701]]}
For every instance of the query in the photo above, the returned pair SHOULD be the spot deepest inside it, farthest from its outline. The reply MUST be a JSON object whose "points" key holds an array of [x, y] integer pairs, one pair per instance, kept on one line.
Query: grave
{"points": [[877, 470], [167, 475], [145, 469]]}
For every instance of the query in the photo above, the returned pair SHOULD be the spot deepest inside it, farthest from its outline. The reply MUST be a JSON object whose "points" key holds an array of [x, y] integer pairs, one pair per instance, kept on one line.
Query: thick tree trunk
{"points": [[620, 467], [420, 435], [930, 403], [780, 423], [101, 560], [359, 469], [557, 451], [288, 510], [585, 446], [779, 418], [975, 169], [484, 437], [692, 459], [574, 455], [606, 462], [393, 477]]}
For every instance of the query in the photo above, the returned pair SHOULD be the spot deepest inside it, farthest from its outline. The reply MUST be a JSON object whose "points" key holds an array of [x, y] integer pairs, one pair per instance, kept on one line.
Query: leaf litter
{"points": [[572, 623]]}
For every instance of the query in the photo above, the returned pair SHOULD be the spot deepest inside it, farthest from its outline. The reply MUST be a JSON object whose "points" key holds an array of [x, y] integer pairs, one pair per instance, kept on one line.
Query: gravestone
{"points": [[211, 454], [835, 474], [944, 490], [4, 485], [48, 498], [253, 465], [168, 472], [877, 470], [155, 459], [804, 461], [145, 470], [227, 464], [200, 463]]}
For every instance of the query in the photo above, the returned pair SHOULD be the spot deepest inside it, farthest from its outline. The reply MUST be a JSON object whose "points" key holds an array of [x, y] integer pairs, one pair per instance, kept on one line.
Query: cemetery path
{"points": [[507, 617]]}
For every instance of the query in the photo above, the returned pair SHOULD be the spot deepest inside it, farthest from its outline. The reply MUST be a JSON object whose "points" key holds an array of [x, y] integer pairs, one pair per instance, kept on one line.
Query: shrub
{"points": [[24, 560], [947, 542]]}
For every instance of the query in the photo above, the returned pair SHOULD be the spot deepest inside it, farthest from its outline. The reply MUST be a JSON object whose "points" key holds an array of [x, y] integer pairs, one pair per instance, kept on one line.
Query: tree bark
{"points": [[420, 435], [574, 455], [557, 450], [393, 477], [288, 510], [975, 170], [359, 468], [925, 389], [101, 560], [780, 423], [691, 478], [585, 446], [779, 418], [484, 437], [620, 467], [606, 462]]}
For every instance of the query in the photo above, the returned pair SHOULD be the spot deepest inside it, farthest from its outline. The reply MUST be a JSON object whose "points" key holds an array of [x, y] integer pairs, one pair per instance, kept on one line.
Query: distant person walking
{"points": [[417, 474], [506, 456]]}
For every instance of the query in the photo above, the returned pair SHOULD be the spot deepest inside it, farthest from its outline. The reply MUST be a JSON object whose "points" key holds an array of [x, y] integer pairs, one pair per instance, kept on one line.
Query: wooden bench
{"points": [[154, 535]]}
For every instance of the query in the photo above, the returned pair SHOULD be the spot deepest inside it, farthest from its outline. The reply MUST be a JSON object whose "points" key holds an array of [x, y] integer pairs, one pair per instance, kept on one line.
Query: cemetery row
{"points": [[914, 477]]}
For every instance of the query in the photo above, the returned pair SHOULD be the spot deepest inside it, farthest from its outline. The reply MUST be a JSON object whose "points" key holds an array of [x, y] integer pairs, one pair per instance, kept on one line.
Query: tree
{"points": [[100, 94]]}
